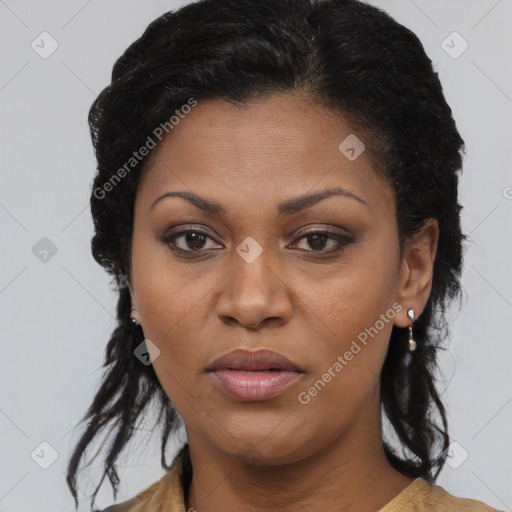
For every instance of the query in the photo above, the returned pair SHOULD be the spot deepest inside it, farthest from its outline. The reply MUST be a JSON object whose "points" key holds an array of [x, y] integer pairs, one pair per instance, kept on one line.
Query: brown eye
{"points": [[324, 241], [186, 242], [189, 240]]}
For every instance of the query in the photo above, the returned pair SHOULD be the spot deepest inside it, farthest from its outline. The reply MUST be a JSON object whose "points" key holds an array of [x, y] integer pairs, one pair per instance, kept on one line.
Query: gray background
{"points": [[57, 310]]}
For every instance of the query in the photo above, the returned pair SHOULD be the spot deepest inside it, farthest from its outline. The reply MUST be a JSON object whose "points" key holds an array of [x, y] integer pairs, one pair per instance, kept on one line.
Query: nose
{"points": [[255, 294]]}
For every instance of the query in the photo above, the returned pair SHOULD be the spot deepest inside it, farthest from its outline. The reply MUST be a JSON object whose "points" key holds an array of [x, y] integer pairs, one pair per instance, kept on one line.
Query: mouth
{"points": [[254, 376]]}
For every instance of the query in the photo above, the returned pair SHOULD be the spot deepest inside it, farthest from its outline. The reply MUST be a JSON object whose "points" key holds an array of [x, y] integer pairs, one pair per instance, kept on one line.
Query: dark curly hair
{"points": [[344, 54]]}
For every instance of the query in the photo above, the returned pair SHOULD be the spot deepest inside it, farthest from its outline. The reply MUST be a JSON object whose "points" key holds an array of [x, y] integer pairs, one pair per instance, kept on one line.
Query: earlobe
{"points": [[134, 314]]}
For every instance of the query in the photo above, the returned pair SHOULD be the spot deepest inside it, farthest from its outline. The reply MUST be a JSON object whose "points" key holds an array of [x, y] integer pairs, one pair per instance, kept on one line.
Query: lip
{"points": [[250, 376], [263, 359]]}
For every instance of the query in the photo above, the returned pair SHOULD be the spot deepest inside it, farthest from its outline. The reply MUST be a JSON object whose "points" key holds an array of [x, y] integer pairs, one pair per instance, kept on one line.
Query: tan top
{"points": [[167, 495]]}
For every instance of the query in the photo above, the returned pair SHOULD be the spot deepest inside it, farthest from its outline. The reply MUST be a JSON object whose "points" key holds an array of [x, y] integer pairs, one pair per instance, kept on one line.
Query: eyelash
{"points": [[342, 240]]}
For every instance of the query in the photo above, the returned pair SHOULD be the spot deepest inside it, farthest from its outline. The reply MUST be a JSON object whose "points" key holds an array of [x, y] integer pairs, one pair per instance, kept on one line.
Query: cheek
{"points": [[351, 301], [347, 360], [173, 319], [168, 295], [355, 308]]}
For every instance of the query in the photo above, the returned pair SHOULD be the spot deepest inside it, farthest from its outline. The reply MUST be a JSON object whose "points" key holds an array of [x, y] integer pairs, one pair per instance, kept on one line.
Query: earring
{"points": [[134, 320], [412, 343]]}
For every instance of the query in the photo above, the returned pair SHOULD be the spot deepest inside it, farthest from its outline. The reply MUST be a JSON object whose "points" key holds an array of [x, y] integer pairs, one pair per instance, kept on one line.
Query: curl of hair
{"points": [[344, 54]]}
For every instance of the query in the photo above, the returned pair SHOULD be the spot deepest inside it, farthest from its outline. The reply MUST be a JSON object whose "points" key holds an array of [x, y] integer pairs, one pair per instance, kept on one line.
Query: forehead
{"points": [[274, 147]]}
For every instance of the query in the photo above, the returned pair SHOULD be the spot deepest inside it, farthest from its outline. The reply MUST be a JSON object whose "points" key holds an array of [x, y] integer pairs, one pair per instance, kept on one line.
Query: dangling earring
{"points": [[412, 343]]}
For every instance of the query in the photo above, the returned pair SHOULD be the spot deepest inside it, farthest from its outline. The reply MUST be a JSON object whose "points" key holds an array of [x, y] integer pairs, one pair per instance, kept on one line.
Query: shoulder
{"points": [[443, 500], [133, 504], [121, 507], [167, 490], [421, 496]]}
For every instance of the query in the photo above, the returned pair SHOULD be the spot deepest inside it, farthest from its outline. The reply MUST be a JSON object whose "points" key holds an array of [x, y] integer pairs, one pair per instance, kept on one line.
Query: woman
{"points": [[277, 199]]}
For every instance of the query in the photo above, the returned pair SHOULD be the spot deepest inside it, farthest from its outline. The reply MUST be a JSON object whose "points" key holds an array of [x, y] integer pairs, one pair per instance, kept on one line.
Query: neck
{"points": [[352, 473]]}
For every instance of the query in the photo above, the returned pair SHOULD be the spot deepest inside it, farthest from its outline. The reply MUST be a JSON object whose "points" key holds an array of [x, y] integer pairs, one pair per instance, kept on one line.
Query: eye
{"points": [[194, 242], [324, 241], [188, 240]]}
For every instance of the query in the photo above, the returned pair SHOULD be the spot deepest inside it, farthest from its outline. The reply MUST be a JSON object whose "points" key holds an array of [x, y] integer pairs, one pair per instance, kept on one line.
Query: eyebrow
{"points": [[288, 207]]}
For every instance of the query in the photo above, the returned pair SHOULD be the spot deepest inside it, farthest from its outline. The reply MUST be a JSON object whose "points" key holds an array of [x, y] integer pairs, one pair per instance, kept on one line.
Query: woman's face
{"points": [[251, 274]]}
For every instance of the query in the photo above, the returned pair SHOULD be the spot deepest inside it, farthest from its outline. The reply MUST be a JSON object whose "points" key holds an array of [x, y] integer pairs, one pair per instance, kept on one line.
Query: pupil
{"points": [[195, 240], [315, 238]]}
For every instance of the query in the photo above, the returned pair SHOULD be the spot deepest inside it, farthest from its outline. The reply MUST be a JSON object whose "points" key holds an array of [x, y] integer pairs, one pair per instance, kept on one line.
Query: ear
{"points": [[416, 271]]}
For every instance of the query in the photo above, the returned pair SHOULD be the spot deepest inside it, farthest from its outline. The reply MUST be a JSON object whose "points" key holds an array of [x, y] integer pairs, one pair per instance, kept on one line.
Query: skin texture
{"points": [[281, 453]]}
